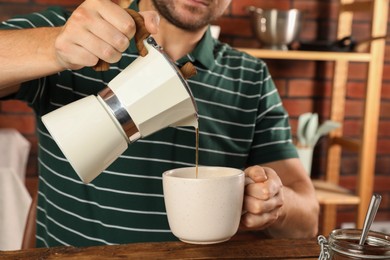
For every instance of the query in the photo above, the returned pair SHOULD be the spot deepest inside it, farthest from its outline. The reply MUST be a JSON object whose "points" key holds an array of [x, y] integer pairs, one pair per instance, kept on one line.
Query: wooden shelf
{"points": [[332, 194], [307, 55], [365, 146], [347, 143], [332, 198]]}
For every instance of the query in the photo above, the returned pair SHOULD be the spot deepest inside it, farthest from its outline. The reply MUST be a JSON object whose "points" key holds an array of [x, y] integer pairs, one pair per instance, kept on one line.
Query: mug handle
{"points": [[140, 35]]}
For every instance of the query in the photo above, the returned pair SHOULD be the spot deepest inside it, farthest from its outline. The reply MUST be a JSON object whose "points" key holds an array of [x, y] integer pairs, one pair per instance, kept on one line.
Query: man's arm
{"points": [[26, 55], [281, 200], [96, 30]]}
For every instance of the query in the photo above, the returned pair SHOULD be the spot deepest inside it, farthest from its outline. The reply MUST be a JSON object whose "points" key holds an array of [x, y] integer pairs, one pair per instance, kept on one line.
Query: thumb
{"points": [[256, 173]]}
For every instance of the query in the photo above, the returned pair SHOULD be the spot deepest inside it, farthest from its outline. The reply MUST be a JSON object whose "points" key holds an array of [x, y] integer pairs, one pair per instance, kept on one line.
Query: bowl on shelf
{"points": [[275, 29]]}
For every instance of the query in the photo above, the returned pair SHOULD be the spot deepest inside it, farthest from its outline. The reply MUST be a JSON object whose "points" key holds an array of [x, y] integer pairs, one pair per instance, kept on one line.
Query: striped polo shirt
{"points": [[241, 119]]}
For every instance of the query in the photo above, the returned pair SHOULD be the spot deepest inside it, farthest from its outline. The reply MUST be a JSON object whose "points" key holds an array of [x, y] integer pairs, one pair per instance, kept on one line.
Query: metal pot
{"points": [[275, 29]]}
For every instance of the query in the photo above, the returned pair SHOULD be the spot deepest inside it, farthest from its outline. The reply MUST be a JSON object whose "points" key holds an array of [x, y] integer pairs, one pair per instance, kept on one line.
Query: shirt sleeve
{"points": [[51, 17], [33, 91]]}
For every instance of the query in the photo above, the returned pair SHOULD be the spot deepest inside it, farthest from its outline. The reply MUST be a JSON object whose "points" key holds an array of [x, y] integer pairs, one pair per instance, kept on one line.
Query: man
{"points": [[242, 122]]}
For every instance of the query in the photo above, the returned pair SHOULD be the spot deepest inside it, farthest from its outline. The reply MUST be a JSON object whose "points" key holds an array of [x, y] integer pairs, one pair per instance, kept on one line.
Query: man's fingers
{"points": [[259, 191], [254, 206], [250, 221]]}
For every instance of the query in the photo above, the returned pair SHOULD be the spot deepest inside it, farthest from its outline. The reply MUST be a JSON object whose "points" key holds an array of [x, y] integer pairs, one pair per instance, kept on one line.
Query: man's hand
{"points": [[98, 29], [263, 198]]}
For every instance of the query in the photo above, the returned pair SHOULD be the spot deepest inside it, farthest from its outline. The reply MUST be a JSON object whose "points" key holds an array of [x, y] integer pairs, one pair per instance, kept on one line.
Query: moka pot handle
{"points": [[140, 35]]}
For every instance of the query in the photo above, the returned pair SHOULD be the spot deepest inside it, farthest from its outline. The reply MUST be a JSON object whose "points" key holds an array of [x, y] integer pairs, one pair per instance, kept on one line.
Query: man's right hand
{"points": [[98, 29]]}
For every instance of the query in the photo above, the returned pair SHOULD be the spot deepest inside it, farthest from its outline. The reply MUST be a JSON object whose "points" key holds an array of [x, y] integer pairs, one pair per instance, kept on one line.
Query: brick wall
{"points": [[303, 85]]}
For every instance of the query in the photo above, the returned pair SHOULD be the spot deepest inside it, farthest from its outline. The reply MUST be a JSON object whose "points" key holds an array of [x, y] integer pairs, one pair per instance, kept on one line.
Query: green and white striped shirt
{"points": [[241, 118]]}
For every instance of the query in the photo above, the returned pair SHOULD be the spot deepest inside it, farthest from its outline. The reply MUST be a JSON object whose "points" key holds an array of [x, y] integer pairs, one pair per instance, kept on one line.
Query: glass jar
{"points": [[343, 244]]}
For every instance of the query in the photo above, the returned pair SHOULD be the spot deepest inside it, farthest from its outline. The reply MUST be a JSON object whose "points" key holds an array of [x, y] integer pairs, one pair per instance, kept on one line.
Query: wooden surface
{"points": [[332, 194], [233, 249], [372, 109], [327, 197], [307, 55]]}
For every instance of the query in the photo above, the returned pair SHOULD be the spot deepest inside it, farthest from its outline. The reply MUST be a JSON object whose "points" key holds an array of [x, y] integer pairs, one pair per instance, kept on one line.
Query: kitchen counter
{"points": [[233, 249]]}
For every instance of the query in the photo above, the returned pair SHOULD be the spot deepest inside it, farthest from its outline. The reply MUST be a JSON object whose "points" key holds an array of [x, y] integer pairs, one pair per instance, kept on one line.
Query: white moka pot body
{"points": [[87, 135], [150, 92], [153, 94]]}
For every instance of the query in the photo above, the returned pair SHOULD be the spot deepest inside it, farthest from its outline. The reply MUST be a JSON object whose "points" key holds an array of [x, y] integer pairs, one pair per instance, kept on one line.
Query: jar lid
{"points": [[346, 242]]}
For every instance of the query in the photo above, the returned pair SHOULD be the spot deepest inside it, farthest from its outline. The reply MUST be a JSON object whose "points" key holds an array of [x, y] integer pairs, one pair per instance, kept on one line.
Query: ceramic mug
{"points": [[205, 209]]}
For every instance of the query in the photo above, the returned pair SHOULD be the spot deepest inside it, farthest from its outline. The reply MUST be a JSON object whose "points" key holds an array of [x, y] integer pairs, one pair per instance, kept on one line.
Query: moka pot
{"points": [[147, 96]]}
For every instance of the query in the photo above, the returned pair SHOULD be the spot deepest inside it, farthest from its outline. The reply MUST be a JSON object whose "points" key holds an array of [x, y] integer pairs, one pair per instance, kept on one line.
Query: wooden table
{"points": [[233, 249]]}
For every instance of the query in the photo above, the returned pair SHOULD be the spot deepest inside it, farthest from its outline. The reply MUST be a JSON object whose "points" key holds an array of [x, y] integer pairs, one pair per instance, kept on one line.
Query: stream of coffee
{"points": [[197, 151]]}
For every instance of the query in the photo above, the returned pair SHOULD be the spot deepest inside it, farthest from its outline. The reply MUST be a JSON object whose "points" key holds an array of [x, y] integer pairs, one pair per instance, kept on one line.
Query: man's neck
{"points": [[175, 41]]}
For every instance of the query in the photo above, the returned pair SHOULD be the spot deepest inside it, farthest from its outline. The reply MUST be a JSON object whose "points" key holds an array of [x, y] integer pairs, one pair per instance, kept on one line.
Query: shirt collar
{"points": [[203, 54]]}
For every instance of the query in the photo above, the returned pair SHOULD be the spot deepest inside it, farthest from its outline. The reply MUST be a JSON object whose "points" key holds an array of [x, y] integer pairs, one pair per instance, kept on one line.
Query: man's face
{"points": [[191, 14]]}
